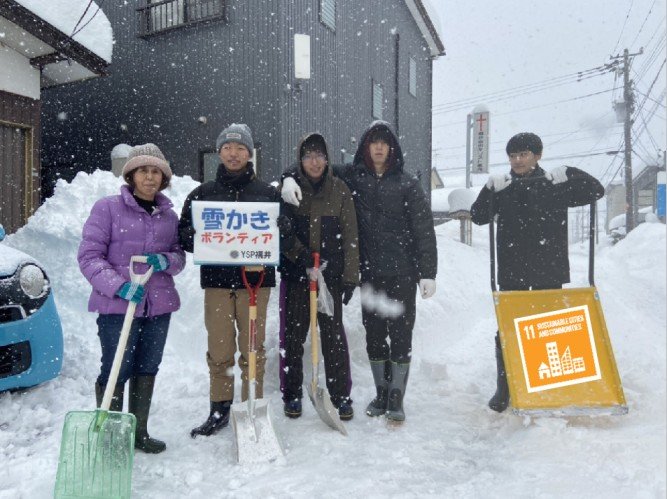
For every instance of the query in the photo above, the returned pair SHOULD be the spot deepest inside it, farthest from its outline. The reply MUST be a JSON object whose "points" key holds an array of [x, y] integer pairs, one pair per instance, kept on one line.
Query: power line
{"points": [[525, 89], [642, 26], [533, 107], [99, 7], [625, 21], [81, 18]]}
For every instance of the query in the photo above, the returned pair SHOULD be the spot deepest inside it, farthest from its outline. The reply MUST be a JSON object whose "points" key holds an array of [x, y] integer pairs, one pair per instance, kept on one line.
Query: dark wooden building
{"points": [[33, 55], [185, 69]]}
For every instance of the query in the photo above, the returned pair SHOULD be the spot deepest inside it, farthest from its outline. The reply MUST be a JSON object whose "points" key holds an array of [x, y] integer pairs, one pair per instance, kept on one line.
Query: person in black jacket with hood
{"points": [[225, 297], [326, 223], [397, 254], [532, 241]]}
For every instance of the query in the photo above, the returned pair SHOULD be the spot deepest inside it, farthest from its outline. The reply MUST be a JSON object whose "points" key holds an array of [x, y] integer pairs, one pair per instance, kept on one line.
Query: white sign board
{"points": [[232, 233], [302, 57], [480, 142]]}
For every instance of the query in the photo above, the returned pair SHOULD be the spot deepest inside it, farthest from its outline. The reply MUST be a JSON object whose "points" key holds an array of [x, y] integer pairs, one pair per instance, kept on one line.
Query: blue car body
{"points": [[31, 336]]}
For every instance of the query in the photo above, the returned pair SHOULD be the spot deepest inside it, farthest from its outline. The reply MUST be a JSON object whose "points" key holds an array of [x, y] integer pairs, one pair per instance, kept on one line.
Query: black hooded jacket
{"points": [[324, 222], [532, 238], [396, 235], [245, 187]]}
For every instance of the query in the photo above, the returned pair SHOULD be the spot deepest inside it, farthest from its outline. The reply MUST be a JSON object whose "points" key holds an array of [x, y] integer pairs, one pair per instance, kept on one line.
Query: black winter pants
{"points": [[381, 322], [294, 327]]}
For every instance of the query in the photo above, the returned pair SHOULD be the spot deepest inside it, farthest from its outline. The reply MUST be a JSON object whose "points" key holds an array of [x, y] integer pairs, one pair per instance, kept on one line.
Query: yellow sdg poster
{"points": [[557, 349]]}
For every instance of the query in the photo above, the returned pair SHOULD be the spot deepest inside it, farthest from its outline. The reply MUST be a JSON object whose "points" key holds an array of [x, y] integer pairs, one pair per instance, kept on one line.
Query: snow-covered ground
{"points": [[451, 445]]}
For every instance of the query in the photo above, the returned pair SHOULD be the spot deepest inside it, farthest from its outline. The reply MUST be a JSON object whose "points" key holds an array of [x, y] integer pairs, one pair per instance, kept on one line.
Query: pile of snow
{"points": [[82, 20], [451, 445], [462, 199]]}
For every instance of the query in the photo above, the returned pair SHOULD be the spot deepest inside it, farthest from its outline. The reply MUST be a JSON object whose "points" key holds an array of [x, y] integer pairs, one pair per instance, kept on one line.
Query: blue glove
{"points": [[158, 261], [131, 291]]}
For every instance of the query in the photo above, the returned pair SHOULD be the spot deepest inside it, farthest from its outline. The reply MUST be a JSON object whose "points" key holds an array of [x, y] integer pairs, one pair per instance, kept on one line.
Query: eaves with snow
{"points": [[429, 25], [66, 40]]}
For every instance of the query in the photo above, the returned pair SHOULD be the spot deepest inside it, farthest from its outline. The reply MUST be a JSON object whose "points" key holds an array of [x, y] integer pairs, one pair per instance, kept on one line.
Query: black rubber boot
{"points": [[399, 380], [141, 394], [116, 400], [217, 419], [501, 399], [381, 370]]}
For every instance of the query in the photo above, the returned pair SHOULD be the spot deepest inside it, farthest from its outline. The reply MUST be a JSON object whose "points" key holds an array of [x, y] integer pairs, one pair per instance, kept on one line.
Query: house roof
{"points": [[60, 58], [424, 16]]}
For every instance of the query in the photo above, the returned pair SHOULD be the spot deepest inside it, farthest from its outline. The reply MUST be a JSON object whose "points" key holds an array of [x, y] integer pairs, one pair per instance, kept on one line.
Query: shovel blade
{"points": [[325, 409], [255, 439], [96, 455]]}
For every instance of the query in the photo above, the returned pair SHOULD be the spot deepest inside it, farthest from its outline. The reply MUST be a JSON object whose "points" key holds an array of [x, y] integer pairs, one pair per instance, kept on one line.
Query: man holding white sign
{"points": [[224, 236]]}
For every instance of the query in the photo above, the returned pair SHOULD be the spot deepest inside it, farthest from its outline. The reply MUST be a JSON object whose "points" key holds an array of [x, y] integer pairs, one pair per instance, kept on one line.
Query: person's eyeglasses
{"points": [[314, 155], [522, 155]]}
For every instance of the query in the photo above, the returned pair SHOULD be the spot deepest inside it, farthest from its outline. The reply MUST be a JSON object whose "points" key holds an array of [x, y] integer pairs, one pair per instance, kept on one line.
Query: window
{"points": [[161, 15], [378, 100], [328, 13], [412, 77]]}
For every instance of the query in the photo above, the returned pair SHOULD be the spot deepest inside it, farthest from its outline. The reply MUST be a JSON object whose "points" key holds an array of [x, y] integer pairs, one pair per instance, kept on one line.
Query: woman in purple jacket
{"points": [[139, 221]]}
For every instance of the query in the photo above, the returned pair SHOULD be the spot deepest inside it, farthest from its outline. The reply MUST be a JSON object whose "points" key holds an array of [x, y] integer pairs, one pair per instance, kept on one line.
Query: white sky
{"points": [[496, 46]]}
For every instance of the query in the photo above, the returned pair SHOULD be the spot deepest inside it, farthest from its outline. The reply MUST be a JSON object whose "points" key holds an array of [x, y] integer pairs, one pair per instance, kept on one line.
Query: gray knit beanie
{"points": [[236, 132], [146, 155]]}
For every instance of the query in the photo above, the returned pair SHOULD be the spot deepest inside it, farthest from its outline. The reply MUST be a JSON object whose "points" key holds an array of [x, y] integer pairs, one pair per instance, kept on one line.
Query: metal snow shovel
{"points": [[97, 447], [320, 396], [254, 437]]}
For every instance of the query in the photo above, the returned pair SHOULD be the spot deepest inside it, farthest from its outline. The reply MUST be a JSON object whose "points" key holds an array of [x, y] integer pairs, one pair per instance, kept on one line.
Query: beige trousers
{"points": [[225, 312]]}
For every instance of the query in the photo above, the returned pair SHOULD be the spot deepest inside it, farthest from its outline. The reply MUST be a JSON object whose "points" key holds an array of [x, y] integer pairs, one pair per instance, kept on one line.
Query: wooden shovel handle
{"points": [[314, 337]]}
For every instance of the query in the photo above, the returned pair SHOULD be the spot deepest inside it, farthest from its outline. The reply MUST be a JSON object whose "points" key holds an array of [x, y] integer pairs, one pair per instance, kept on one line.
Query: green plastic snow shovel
{"points": [[97, 447], [319, 396]]}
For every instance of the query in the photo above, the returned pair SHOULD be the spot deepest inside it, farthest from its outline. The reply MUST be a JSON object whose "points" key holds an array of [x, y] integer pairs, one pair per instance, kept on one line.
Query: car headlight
{"points": [[33, 281]]}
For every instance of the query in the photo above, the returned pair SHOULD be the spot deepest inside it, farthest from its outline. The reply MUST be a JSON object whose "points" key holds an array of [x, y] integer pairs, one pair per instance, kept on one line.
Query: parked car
{"points": [[31, 335]]}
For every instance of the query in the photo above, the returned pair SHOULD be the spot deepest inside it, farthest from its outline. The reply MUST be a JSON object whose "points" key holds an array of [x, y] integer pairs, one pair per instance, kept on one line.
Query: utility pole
{"points": [[629, 101]]}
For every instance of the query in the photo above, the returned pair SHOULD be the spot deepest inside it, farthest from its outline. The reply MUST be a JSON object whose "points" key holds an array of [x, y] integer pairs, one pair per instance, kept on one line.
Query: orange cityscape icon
{"points": [[557, 349]]}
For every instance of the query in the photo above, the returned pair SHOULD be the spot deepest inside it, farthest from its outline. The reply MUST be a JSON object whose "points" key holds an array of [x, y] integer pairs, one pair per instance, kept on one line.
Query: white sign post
{"points": [[480, 140], [232, 233]]}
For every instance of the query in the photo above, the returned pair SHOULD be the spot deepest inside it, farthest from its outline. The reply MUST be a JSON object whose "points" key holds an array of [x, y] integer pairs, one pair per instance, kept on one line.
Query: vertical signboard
{"points": [[480, 140]]}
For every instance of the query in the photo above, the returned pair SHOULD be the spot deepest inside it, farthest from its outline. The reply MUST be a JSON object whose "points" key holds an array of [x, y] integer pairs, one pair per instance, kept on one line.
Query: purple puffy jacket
{"points": [[117, 229]]}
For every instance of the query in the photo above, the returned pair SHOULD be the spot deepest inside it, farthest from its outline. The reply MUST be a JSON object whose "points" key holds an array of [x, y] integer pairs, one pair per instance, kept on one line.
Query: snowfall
{"points": [[451, 445]]}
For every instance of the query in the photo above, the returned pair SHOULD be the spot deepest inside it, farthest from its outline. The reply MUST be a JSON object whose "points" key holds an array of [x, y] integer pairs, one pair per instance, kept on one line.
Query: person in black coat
{"points": [[225, 297], [397, 254], [532, 236]]}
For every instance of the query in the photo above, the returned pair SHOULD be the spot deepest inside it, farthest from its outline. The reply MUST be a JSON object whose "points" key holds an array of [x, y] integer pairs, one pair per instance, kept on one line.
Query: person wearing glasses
{"points": [[325, 222], [397, 253], [532, 237]]}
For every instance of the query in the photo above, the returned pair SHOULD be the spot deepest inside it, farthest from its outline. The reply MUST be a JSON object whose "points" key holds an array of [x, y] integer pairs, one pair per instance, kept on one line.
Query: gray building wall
{"points": [[241, 70]]}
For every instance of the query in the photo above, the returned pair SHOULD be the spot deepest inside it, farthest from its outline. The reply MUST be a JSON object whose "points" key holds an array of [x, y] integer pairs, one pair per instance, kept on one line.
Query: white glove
{"points": [[498, 182], [558, 175], [426, 288], [291, 192]]}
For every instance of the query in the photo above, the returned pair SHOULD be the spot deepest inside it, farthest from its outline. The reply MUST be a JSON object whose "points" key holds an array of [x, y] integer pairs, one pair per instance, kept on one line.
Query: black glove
{"points": [[285, 226], [306, 259], [348, 291]]}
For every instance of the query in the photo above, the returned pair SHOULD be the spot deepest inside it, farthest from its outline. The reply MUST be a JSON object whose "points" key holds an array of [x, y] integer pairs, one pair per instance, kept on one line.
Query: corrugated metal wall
{"points": [[243, 71]]}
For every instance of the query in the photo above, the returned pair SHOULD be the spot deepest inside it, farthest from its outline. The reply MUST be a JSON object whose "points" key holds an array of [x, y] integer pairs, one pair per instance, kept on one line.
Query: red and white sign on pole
{"points": [[480, 140], [231, 233]]}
